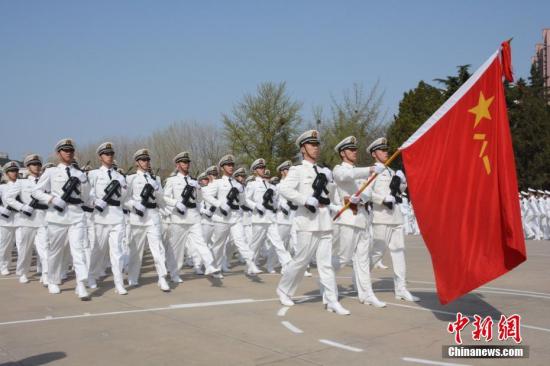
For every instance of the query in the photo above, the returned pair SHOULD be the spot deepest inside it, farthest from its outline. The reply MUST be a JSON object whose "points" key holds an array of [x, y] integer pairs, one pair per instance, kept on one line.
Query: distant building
{"points": [[540, 60]]}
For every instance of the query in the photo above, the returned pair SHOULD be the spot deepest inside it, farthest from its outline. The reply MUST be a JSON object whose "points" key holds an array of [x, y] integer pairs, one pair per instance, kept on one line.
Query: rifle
{"points": [[268, 200], [291, 205], [146, 193], [188, 196], [395, 191], [70, 186], [110, 191], [35, 204], [319, 186], [233, 198]]}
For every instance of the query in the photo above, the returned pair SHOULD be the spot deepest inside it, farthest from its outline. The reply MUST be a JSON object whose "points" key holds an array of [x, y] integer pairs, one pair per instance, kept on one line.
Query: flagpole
{"points": [[366, 184]]}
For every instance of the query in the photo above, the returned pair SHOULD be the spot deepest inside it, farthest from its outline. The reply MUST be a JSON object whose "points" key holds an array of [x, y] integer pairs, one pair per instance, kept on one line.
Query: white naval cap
{"points": [[32, 159], [378, 144], [105, 148], [226, 160], [47, 166], [310, 136], [349, 142], [184, 157], [249, 179], [65, 144], [285, 165], [540, 191], [524, 193], [531, 190], [10, 166], [258, 163], [241, 172], [274, 180], [202, 176], [142, 154], [267, 173], [212, 170], [546, 192]]}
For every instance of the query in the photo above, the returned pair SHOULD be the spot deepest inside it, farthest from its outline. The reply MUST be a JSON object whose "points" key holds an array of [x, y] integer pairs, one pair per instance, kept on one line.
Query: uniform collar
{"points": [[62, 165], [180, 174], [346, 164], [104, 168], [307, 162]]}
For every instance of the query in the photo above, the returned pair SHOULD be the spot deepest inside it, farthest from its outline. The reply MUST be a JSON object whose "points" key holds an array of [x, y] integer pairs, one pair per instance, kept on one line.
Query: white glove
{"points": [[260, 207], [138, 206], [389, 199], [312, 201], [400, 174], [100, 203], [225, 207], [155, 185], [334, 208], [58, 202], [82, 177], [203, 211], [327, 172], [27, 209], [4, 211], [193, 183], [379, 168], [284, 206], [354, 199], [181, 207]]}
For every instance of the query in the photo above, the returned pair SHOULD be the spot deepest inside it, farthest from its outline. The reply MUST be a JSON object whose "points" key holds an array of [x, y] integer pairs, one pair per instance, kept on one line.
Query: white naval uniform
{"points": [[534, 218], [185, 230], [7, 229], [265, 226], [109, 224], [30, 229], [144, 229], [226, 226], [68, 224], [352, 240], [387, 227], [314, 234]]}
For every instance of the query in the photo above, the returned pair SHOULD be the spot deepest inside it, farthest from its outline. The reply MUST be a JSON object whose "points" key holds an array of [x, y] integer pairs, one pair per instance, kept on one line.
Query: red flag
{"points": [[462, 182]]}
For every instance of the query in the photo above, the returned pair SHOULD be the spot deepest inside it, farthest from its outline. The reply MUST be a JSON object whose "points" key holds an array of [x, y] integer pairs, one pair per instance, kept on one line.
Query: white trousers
{"points": [[26, 238], [261, 232], [221, 233], [207, 231], [7, 239], [352, 245], [188, 237], [390, 237], [139, 235], [108, 241], [61, 237], [310, 244]]}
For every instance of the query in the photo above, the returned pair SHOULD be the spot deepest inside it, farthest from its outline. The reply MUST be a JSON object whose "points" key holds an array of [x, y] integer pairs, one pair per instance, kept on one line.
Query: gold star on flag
{"points": [[481, 110]]}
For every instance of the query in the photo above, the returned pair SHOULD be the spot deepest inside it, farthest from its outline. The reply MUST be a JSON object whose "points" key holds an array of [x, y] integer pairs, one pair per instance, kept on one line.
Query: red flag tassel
{"points": [[506, 60]]}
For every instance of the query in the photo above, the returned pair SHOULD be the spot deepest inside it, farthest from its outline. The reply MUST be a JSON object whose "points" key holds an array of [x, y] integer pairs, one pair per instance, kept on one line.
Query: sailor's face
{"points": [[380, 155], [66, 155], [229, 169], [313, 149]]}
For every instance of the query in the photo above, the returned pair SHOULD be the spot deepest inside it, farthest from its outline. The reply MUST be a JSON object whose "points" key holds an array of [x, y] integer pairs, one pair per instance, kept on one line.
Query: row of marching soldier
{"points": [[99, 219]]}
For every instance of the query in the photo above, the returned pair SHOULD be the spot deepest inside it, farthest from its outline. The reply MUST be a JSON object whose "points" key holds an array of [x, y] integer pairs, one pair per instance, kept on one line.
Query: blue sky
{"points": [[95, 69]]}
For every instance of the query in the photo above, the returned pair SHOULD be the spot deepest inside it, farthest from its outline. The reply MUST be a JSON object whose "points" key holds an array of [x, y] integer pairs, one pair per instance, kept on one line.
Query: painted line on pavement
{"points": [[340, 345], [294, 329], [282, 311], [429, 362]]}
